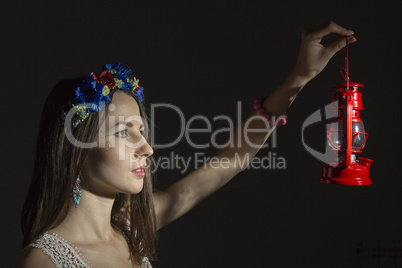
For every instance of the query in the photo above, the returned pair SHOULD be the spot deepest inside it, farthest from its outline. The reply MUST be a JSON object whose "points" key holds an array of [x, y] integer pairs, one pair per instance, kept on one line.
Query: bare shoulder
{"points": [[32, 258]]}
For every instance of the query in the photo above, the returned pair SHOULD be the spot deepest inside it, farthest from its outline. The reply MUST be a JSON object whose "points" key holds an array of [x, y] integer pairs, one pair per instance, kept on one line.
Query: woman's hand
{"points": [[313, 56]]}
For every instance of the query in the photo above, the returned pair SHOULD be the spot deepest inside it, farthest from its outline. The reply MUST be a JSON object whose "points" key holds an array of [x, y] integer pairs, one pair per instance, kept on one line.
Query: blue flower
{"points": [[138, 93], [107, 67], [127, 85], [90, 93], [118, 70]]}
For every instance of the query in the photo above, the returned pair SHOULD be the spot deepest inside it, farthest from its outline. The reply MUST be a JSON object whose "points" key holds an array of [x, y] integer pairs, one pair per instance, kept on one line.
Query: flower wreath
{"points": [[93, 93]]}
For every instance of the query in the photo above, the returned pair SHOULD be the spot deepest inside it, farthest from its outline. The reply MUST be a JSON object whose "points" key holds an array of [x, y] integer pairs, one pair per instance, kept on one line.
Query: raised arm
{"points": [[184, 194]]}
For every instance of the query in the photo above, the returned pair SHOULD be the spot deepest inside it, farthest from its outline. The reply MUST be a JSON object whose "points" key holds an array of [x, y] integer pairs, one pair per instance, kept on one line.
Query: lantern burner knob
{"points": [[365, 162]]}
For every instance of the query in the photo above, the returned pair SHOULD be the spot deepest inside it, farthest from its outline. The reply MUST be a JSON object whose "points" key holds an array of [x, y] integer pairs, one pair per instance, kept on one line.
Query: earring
{"points": [[77, 192]]}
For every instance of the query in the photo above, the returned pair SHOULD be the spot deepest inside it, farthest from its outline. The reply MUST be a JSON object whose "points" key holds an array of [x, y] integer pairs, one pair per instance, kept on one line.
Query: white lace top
{"points": [[64, 254]]}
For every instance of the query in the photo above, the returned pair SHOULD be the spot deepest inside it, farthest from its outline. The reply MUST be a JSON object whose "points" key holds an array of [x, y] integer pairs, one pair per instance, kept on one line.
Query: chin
{"points": [[134, 190]]}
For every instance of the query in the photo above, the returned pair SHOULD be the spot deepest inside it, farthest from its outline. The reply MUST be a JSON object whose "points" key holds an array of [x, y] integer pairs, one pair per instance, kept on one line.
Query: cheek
{"points": [[114, 146], [103, 162], [119, 149]]}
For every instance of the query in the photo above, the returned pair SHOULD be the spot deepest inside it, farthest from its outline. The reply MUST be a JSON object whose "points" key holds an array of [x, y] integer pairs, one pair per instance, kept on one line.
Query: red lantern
{"points": [[347, 137]]}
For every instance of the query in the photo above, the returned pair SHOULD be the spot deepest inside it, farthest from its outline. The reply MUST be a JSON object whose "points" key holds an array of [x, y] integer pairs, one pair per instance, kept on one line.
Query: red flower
{"points": [[105, 78]]}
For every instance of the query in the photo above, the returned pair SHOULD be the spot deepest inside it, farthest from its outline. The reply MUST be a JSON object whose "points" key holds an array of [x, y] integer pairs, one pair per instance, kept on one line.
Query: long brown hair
{"points": [[57, 165]]}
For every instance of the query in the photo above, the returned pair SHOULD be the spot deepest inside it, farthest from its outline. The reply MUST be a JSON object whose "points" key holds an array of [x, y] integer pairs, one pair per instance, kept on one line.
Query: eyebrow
{"points": [[130, 124]]}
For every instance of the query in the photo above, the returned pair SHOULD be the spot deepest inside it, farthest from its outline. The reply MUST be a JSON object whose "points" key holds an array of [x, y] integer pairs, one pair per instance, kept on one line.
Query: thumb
{"points": [[338, 45]]}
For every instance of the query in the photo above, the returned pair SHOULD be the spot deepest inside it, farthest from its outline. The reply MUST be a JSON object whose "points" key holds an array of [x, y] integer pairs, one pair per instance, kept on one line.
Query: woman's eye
{"points": [[124, 133], [119, 134]]}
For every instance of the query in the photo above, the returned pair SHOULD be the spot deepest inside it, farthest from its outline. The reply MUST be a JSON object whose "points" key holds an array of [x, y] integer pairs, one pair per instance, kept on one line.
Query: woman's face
{"points": [[122, 148]]}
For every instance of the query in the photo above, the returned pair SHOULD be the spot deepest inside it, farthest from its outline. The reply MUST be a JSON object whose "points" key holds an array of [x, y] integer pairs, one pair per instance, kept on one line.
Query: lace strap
{"points": [[63, 253]]}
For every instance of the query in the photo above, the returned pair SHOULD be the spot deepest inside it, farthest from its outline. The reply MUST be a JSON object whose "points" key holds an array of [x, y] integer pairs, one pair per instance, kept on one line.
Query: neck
{"points": [[90, 222]]}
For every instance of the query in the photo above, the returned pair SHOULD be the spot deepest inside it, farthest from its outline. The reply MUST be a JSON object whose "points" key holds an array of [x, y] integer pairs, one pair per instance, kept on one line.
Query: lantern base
{"points": [[355, 174]]}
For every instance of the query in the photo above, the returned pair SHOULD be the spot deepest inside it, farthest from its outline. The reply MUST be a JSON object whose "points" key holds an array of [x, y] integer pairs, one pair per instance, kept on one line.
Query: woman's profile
{"points": [[91, 202]]}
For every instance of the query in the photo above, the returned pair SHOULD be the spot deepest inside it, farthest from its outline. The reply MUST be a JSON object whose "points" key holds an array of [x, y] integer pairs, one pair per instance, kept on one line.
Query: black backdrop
{"points": [[204, 57]]}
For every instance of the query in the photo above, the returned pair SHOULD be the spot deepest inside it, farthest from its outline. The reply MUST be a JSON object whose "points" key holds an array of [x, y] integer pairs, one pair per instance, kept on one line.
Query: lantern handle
{"points": [[345, 70], [347, 64]]}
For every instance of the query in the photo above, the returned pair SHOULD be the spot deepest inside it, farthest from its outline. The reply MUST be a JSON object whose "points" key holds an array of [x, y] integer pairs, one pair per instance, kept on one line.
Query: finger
{"points": [[338, 45], [327, 28]]}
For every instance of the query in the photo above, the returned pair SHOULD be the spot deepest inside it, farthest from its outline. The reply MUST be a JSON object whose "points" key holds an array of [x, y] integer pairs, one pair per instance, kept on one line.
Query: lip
{"points": [[140, 172], [141, 167]]}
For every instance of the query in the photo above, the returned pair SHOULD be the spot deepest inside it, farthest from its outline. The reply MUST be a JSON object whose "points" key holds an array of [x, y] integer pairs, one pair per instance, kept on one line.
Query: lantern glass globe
{"points": [[335, 135]]}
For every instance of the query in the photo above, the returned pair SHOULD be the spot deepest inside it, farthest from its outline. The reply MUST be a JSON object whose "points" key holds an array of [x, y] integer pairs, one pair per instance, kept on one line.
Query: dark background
{"points": [[204, 56]]}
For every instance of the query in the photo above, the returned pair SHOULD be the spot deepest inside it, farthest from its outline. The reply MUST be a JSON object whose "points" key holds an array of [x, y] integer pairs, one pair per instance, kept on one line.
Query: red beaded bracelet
{"points": [[271, 119]]}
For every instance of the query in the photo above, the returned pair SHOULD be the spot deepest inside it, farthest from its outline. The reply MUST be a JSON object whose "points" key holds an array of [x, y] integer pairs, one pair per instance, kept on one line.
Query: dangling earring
{"points": [[77, 192], [118, 196]]}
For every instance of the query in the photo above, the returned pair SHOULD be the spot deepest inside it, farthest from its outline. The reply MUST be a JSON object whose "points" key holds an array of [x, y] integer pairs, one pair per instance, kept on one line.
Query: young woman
{"points": [[91, 203]]}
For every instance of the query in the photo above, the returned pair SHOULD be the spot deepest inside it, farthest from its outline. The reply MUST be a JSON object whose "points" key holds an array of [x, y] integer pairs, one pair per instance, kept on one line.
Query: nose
{"points": [[144, 151]]}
